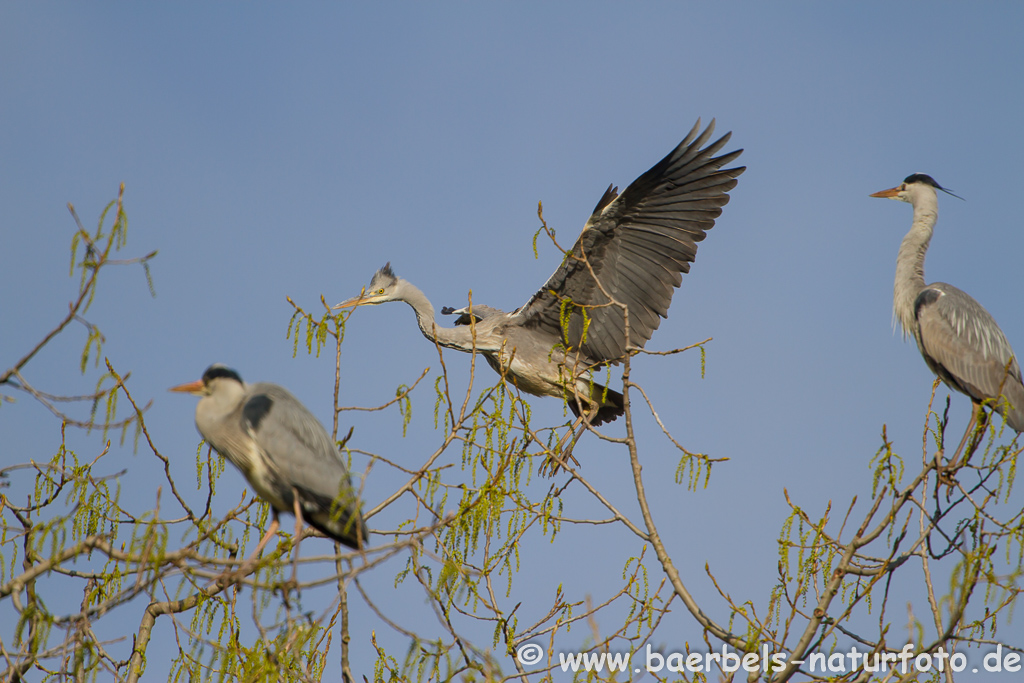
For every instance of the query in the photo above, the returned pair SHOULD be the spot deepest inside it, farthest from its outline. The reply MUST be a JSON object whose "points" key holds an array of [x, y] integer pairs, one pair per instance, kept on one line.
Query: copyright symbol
{"points": [[528, 654]]}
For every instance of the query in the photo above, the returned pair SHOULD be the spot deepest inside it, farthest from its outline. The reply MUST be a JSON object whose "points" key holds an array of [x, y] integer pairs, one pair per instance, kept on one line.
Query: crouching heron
{"points": [[284, 452]]}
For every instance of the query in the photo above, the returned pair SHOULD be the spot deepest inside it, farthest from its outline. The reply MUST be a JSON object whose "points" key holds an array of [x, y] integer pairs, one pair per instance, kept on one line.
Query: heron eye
{"points": [[380, 291]]}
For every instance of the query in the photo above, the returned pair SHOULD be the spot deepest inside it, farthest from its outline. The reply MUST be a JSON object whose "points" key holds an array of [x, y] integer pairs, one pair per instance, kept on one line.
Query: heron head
{"points": [[383, 288], [911, 186], [214, 375]]}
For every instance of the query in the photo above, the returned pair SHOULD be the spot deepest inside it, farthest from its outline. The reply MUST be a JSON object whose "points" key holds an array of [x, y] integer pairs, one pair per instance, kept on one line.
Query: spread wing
{"points": [[637, 245]]}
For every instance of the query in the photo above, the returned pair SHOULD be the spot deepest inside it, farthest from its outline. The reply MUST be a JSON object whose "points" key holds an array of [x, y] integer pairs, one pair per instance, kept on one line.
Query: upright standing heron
{"points": [[631, 255], [282, 449], [959, 339]]}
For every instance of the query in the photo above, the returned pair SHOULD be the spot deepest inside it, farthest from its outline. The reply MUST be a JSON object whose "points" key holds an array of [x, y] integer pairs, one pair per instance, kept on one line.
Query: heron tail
{"points": [[609, 400], [1014, 408], [348, 529], [340, 519]]}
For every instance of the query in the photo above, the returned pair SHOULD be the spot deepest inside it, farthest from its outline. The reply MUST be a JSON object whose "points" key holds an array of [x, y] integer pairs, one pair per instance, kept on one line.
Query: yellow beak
{"points": [[362, 300]]}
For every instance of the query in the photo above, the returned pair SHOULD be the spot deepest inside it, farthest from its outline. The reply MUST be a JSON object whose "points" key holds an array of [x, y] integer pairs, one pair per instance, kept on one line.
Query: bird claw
{"points": [[947, 475], [286, 587], [234, 576], [555, 461]]}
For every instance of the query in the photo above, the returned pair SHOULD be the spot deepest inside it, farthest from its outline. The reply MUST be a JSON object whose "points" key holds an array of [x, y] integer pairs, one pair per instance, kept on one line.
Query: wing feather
{"points": [[963, 345], [637, 245], [299, 448]]}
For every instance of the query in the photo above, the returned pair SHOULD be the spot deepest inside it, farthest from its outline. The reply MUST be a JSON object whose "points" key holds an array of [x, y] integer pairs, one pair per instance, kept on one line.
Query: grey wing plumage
{"points": [[637, 244], [480, 311], [299, 448], [963, 345]]}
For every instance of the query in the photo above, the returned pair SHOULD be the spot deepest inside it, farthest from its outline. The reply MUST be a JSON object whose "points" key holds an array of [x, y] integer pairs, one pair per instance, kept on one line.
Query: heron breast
{"points": [[544, 378], [263, 477]]}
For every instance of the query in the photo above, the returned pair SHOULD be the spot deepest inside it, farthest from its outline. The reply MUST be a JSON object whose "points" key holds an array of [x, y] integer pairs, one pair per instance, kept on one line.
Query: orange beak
{"points": [[190, 388], [887, 194]]}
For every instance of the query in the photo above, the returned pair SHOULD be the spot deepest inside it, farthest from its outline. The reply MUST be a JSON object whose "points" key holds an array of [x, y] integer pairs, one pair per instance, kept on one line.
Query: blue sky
{"points": [[290, 150]]}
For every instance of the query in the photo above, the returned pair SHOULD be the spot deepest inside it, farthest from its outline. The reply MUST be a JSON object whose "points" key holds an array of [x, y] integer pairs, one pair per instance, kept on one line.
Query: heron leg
{"points": [[559, 457], [298, 537], [563, 450], [275, 524], [573, 436], [251, 561], [971, 438], [981, 418]]}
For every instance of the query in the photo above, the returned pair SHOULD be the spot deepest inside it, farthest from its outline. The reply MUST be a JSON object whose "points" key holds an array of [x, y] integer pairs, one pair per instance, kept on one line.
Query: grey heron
{"points": [[283, 451], [632, 252], [959, 339]]}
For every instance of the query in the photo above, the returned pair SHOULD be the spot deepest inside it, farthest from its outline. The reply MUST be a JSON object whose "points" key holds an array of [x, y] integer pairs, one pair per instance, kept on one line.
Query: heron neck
{"points": [[910, 264], [213, 410], [425, 318]]}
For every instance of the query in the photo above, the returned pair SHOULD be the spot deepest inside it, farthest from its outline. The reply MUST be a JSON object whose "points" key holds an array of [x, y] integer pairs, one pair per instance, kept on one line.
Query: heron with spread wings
{"points": [[610, 291]]}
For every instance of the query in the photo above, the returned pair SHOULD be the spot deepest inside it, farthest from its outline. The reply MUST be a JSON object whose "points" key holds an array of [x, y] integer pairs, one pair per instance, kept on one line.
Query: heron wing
{"points": [[301, 452], [963, 344], [636, 245], [479, 312]]}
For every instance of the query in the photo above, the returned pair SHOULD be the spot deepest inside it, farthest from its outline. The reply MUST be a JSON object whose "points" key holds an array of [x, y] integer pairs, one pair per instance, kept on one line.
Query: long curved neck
{"points": [[455, 338], [910, 261]]}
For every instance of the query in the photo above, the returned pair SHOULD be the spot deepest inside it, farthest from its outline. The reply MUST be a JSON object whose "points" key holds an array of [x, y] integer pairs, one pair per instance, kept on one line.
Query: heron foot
{"points": [[236, 576], [286, 588], [946, 475], [556, 461], [559, 456]]}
